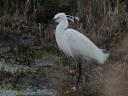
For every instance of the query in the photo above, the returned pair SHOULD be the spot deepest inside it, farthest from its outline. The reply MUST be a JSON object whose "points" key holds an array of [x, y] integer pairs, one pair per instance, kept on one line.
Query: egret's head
{"points": [[60, 17], [63, 17]]}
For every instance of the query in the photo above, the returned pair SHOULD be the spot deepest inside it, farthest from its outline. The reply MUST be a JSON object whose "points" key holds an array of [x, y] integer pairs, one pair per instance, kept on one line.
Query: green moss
{"points": [[9, 85], [6, 85]]}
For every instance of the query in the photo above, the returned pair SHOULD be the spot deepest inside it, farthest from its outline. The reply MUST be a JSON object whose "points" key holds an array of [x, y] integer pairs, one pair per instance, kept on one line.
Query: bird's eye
{"points": [[57, 17]]}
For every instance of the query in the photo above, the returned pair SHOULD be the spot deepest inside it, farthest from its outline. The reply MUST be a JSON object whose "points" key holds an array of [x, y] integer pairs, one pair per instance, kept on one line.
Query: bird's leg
{"points": [[79, 69]]}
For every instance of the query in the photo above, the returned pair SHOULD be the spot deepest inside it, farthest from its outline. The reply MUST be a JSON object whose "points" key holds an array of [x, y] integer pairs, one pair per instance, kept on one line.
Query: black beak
{"points": [[54, 19], [53, 22]]}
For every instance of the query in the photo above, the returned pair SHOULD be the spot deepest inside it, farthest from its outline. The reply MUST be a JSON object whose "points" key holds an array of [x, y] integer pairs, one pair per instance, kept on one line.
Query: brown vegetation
{"points": [[103, 21]]}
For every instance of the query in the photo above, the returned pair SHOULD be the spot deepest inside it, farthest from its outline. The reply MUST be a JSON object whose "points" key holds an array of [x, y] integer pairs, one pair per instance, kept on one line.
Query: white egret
{"points": [[75, 44]]}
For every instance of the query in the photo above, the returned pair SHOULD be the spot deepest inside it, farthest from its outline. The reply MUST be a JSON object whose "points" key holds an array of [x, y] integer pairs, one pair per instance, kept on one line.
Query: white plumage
{"points": [[75, 44]]}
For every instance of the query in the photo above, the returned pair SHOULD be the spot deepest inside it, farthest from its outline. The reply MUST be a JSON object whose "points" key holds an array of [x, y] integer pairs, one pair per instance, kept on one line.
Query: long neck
{"points": [[62, 26]]}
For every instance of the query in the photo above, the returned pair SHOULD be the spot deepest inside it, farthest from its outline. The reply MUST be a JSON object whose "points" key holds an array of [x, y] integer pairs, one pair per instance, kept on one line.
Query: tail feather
{"points": [[103, 57], [106, 55]]}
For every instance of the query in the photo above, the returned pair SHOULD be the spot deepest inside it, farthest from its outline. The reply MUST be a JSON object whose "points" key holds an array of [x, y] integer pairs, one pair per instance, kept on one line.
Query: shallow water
{"points": [[28, 92], [44, 61]]}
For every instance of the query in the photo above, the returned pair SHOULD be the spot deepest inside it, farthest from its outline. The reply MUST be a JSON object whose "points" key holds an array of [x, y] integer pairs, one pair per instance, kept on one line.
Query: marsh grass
{"points": [[106, 25]]}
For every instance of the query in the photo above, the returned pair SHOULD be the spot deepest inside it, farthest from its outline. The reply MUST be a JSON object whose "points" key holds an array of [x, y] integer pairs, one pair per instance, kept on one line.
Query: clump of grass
{"points": [[104, 24]]}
